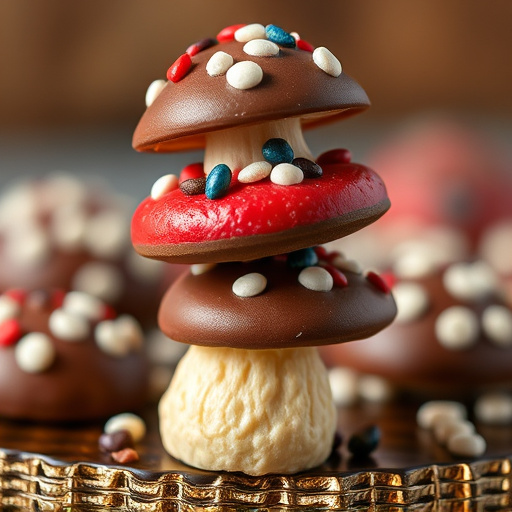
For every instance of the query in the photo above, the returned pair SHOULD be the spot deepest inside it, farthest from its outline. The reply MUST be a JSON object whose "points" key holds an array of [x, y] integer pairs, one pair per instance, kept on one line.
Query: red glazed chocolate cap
{"points": [[267, 304], [292, 85]]}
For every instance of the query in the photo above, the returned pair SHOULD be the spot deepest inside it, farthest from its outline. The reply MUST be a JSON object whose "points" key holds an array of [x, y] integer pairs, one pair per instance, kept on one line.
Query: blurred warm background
{"points": [[74, 74]]}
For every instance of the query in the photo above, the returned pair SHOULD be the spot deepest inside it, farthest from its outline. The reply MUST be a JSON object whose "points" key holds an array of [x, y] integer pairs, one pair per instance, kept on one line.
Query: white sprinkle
{"points": [[68, 227], [250, 32], [316, 279], [446, 427], [497, 325], [467, 445], [34, 353], [145, 269], [200, 268], [411, 301], [343, 382], [415, 264], [127, 421], [101, 280], [457, 328], [494, 409], [496, 246], [261, 48], [219, 63], [68, 326], [375, 389], [107, 235], [254, 172], [244, 75], [470, 281], [295, 36], [347, 265], [326, 61], [28, 246], [433, 409], [9, 308], [163, 185], [119, 337], [286, 174], [250, 285], [83, 304], [154, 89]]}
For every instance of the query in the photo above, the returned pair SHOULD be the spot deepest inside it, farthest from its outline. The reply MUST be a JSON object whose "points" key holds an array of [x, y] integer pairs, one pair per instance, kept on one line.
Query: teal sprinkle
{"points": [[279, 36], [217, 182]]}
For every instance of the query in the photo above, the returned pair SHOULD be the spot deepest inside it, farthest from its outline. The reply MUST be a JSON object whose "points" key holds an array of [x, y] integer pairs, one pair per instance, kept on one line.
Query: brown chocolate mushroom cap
{"points": [[292, 86], [83, 382], [411, 355], [204, 310]]}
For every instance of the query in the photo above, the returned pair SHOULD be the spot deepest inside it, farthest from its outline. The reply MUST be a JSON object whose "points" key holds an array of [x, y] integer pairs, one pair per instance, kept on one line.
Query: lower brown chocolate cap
{"points": [[204, 310]]}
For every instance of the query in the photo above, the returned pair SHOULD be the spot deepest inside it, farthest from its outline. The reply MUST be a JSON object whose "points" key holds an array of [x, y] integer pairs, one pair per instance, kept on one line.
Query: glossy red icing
{"points": [[254, 209]]}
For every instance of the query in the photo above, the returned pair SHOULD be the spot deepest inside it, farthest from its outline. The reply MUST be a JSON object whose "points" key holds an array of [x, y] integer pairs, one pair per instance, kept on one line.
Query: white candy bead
{"points": [[429, 411], [254, 172], [373, 388], [28, 246], [343, 382], [100, 280], [107, 235], [127, 421], [457, 328], [261, 48], [250, 285], [316, 279], [470, 281], [347, 265], [497, 325], [411, 301], [154, 90], [163, 185], [68, 326], [326, 61], [9, 308], [494, 409], [119, 337], [34, 353], [414, 264], [467, 445], [200, 268], [496, 246], [286, 174], [83, 304], [219, 63], [244, 75], [249, 32], [445, 428], [68, 225]]}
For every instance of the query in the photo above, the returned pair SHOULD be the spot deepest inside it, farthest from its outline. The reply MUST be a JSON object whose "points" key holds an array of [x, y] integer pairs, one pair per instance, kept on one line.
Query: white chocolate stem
{"points": [[241, 146]]}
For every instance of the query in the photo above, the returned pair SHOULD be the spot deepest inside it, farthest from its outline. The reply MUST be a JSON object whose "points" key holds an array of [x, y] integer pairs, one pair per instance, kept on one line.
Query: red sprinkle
{"points": [[179, 68], [109, 313], [228, 33], [58, 298], [304, 45], [339, 278], [389, 278], [125, 456], [195, 48], [191, 172], [10, 332], [17, 294], [325, 255], [378, 282], [334, 156]]}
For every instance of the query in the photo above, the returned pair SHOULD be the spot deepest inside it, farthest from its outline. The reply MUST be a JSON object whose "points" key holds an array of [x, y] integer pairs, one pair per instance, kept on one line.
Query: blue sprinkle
{"points": [[217, 182], [277, 151], [279, 36], [302, 258]]}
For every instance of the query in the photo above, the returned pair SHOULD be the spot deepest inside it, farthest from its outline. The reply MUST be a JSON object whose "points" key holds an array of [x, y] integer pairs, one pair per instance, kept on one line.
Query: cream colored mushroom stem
{"points": [[238, 147]]}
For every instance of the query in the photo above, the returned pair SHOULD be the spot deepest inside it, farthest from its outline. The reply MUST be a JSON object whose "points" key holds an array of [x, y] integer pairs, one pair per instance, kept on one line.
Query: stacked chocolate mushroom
{"points": [[252, 394]]}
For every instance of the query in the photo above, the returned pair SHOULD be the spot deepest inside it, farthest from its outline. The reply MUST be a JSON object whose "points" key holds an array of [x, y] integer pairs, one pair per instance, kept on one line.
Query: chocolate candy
{"points": [[115, 441], [364, 442], [310, 169]]}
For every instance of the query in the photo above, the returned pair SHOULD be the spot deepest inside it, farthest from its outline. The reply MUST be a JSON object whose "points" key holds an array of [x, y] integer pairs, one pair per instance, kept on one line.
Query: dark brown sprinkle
{"points": [[308, 167], [115, 441], [125, 456], [193, 186], [39, 300]]}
